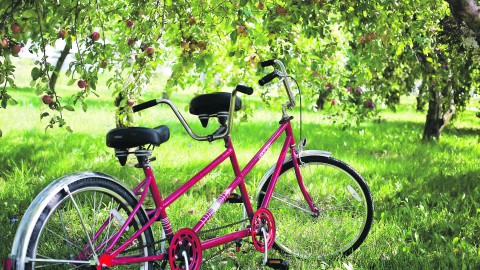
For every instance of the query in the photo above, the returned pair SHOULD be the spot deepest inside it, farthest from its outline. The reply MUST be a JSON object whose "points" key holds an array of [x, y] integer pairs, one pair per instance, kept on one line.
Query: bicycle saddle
{"points": [[213, 103], [123, 138]]}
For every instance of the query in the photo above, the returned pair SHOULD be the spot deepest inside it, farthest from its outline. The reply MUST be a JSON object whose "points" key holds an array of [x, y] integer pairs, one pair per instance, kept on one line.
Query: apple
{"points": [[369, 104], [334, 102], [281, 11], [193, 46], [82, 83], [47, 99], [130, 41], [260, 5], [103, 64], [130, 102], [129, 24], [62, 33], [359, 91], [4, 43], [192, 20], [184, 45], [349, 88], [150, 50], [16, 28], [241, 30], [202, 45], [16, 49], [328, 86], [95, 36]]}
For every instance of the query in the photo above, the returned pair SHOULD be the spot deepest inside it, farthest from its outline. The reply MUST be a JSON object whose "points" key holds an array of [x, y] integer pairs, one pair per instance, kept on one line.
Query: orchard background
{"points": [[354, 56]]}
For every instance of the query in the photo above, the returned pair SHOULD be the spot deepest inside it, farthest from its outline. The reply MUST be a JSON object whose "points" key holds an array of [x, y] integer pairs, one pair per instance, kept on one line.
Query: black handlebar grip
{"points": [[244, 89], [145, 105], [267, 63], [268, 78]]}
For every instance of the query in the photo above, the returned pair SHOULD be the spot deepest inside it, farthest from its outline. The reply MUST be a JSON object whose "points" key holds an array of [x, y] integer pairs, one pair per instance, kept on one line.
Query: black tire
{"points": [[340, 194], [60, 234]]}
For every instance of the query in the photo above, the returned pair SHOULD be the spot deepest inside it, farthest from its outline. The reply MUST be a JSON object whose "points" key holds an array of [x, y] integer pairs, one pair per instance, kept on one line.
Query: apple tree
{"points": [[350, 57]]}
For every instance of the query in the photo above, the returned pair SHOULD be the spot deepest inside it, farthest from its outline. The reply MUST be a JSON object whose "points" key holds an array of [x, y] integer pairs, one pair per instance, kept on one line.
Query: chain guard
{"points": [[185, 241]]}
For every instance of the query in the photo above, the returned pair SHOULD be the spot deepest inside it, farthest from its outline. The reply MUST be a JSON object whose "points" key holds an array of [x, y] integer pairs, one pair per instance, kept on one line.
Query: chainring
{"points": [[263, 219], [185, 243]]}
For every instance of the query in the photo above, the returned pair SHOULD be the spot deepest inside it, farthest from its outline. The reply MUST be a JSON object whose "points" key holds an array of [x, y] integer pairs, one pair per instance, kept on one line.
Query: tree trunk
{"points": [[58, 66], [436, 118]]}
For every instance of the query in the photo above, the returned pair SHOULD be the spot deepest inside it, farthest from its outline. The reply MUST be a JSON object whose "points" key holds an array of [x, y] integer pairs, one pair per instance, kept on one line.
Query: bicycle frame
{"points": [[149, 184]]}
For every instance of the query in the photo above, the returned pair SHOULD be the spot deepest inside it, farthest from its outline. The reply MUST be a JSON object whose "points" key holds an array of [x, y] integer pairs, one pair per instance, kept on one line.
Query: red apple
{"points": [[260, 5], [62, 33], [82, 83], [95, 36], [150, 50], [192, 20], [281, 11], [349, 88], [184, 45], [202, 45], [103, 64], [130, 102], [16, 28], [241, 30], [16, 49], [4, 43], [334, 102], [47, 99], [130, 41], [129, 24], [359, 91], [369, 104]]}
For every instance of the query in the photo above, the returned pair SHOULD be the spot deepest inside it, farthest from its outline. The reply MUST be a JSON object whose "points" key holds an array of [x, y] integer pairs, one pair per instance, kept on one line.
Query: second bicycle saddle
{"points": [[210, 105]]}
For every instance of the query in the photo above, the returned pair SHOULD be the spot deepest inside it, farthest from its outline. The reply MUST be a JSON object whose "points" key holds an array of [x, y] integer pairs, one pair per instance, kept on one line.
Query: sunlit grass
{"points": [[425, 194]]}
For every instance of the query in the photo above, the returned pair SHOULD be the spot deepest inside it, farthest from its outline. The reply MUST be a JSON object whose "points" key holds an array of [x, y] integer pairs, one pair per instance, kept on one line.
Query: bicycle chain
{"points": [[200, 233]]}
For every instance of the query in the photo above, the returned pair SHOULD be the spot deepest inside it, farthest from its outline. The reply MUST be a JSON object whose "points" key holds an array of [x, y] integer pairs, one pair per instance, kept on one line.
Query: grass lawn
{"points": [[425, 194]]}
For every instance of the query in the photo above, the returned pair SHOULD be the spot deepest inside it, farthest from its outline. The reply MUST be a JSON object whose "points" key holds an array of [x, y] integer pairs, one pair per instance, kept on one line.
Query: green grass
{"points": [[425, 194]]}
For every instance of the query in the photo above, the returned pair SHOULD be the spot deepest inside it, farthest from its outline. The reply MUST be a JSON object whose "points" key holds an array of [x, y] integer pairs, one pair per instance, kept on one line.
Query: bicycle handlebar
{"points": [[145, 105], [244, 89], [282, 73], [268, 78], [267, 63]]}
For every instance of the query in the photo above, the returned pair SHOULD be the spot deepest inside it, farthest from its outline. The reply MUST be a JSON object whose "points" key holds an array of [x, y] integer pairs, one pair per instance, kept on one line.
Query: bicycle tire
{"points": [[342, 197], [60, 232]]}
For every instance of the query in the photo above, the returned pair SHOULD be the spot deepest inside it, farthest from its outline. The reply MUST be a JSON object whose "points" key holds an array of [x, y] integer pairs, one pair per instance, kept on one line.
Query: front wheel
{"points": [[343, 201]]}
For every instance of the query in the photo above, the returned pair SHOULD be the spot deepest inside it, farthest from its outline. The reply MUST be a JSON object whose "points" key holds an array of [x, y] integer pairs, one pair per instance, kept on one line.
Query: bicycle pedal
{"points": [[278, 264], [234, 198]]}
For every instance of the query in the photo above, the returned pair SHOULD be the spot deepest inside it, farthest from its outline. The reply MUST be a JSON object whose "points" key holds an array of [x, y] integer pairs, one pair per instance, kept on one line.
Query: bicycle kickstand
{"points": [[273, 263]]}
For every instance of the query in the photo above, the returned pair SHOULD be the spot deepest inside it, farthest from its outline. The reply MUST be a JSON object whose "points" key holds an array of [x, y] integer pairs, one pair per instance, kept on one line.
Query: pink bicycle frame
{"points": [[149, 184]]}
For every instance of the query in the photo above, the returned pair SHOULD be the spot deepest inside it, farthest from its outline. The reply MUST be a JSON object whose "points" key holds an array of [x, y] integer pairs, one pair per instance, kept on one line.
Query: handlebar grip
{"points": [[244, 89], [267, 63], [145, 105], [268, 78]]}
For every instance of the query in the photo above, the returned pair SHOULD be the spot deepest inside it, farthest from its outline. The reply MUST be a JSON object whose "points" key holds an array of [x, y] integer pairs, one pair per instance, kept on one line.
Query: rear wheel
{"points": [[343, 200], [79, 222]]}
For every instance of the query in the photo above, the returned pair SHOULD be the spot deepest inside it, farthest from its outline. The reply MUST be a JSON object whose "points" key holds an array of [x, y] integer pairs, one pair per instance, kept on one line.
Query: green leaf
{"points": [[36, 73], [84, 106], [233, 37], [71, 82], [68, 129], [69, 108], [45, 114], [1, 134]]}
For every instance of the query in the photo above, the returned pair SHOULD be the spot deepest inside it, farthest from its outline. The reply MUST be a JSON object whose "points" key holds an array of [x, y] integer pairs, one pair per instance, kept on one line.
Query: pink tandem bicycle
{"points": [[308, 205]]}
